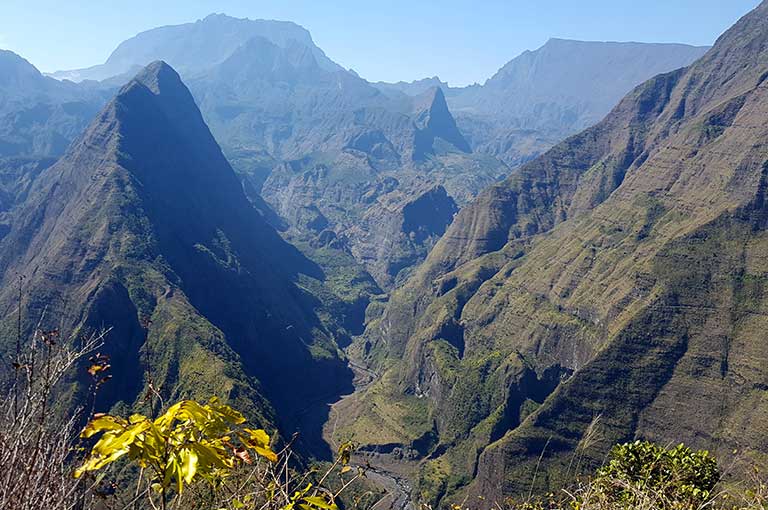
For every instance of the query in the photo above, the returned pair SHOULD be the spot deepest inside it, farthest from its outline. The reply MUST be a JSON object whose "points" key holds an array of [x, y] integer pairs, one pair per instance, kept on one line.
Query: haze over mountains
{"points": [[542, 96], [326, 149], [40, 115], [250, 224], [195, 47]]}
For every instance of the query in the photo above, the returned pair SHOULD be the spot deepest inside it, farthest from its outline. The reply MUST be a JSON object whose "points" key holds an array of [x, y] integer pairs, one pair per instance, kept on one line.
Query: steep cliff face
{"points": [[571, 85], [398, 230], [618, 276], [386, 219], [143, 218]]}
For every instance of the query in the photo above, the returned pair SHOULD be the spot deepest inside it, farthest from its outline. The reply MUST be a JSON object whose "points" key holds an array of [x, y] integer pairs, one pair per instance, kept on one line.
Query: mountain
{"points": [[195, 47], [435, 121], [356, 190], [40, 116], [144, 222], [278, 105], [613, 288], [326, 149], [570, 85], [545, 95], [281, 99], [275, 102]]}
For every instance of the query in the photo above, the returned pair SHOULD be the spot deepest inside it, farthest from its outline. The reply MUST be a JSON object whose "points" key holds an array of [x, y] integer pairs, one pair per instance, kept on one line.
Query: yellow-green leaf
{"points": [[189, 464], [101, 424], [318, 502]]}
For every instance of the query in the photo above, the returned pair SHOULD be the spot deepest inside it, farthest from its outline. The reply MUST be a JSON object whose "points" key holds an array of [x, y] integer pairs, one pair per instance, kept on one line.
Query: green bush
{"points": [[678, 477]]}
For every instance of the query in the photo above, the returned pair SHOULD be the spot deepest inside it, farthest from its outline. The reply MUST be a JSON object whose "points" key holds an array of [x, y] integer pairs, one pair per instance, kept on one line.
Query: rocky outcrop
{"points": [[398, 230], [434, 123]]}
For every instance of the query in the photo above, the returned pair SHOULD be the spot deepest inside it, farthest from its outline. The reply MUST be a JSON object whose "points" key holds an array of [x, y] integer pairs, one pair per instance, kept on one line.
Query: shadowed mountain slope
{"points": [[144, 220], [275, 102], [325, 149]]}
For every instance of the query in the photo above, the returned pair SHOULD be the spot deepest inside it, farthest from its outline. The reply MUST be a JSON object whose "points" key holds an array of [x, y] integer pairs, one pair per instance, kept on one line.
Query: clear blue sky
{"points": [[462, 41]]}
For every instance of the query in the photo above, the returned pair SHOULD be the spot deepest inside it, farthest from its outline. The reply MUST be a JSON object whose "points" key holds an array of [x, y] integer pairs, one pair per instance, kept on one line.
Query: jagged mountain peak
{"points": [[157, 93], [159, 77], [156, 109], [434, 120], [157, 225], [171, 96]]}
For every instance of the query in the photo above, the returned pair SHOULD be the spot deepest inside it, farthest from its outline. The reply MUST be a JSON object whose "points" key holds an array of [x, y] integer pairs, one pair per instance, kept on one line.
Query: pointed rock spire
{"points": [[434, 120]]}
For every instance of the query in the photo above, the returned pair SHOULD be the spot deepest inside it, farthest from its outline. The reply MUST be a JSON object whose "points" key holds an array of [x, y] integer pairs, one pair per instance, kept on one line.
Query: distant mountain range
{"points": [[542, 96], [196, 47]]}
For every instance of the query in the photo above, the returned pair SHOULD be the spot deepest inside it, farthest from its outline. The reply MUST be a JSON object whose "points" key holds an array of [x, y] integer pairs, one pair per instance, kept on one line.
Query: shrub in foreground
{"points": [[676, 477], [645, 476]]}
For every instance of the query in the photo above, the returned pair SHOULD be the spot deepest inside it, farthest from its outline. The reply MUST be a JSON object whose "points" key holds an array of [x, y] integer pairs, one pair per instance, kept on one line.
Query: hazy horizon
{"points": [[397, 42]]}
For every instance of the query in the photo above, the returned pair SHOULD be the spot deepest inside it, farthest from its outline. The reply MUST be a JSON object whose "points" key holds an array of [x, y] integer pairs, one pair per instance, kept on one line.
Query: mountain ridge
{"points": [[40, 116], [609, 285]]}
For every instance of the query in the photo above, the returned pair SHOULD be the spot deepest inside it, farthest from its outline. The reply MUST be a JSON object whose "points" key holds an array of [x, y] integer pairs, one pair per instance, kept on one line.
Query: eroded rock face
{"points": [[387, 220], [397, 232], [625, 263]]}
